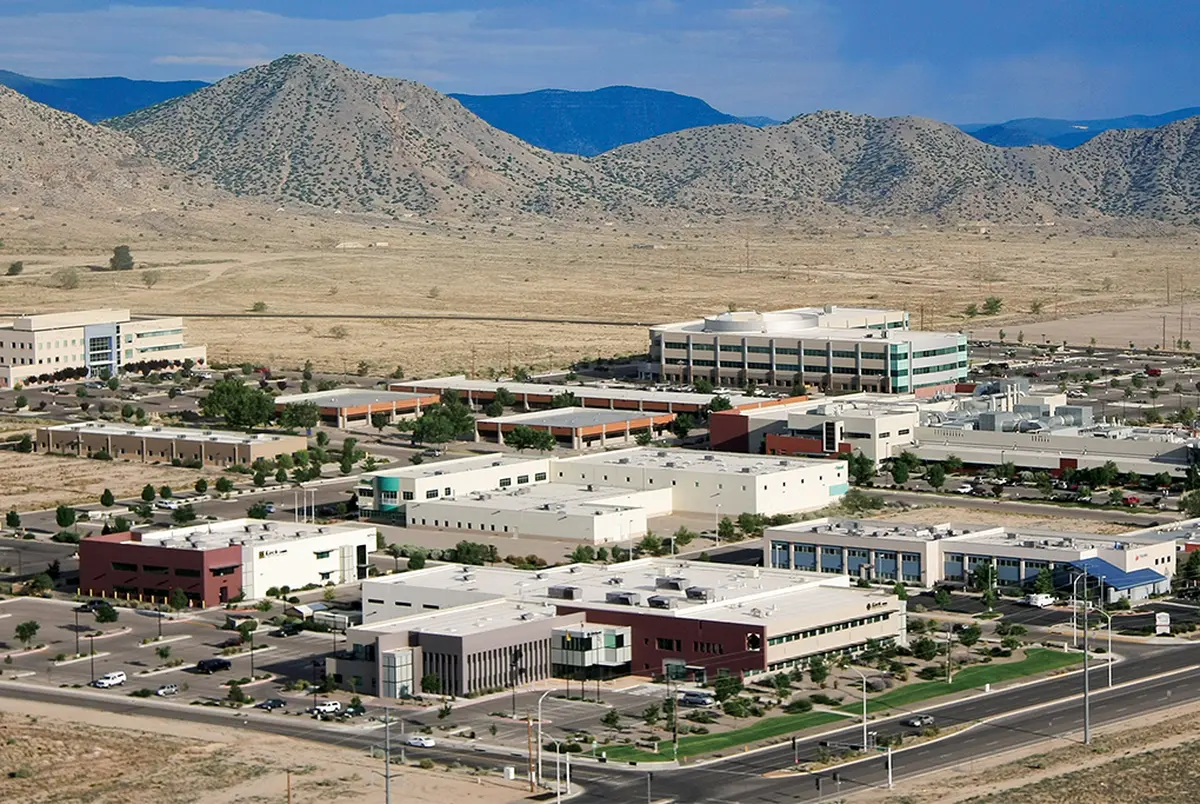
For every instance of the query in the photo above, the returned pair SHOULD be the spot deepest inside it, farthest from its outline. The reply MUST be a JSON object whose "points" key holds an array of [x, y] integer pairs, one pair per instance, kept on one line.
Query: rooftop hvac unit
{"points": [[437, 472], [710, 457], [660, 602], [670, 464], [746, 470], [497, 463], [622, 598], [527, 615], [673, 582], [662, 453], [622, 460], [702, 594], [615, 580], [565, 592], [1029, 543]]}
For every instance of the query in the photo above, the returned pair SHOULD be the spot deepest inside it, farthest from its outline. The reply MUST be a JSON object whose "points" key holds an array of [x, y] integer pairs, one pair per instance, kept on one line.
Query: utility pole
{"points": [[289, 786], [949, 648], [1087, 685], [92, 655], [76, 633], [649, 778], [387, 755]]}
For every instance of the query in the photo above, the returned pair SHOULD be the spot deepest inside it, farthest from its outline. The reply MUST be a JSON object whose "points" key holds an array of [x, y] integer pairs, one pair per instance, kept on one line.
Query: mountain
{"points": [[1067, 133], [589, 123], [758, 121], [905, 167], [96, 99], [307, 128]]}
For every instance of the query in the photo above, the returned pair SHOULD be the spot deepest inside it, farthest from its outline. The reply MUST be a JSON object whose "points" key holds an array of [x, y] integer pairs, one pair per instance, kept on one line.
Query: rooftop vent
{"points": [[710, 457], [660, 602], [622, 460], [673, 582], [623, 598], [702, 594], [662, 453], [565, 592], [540, 575], [745, 470], [615, 580], [527, 615]]}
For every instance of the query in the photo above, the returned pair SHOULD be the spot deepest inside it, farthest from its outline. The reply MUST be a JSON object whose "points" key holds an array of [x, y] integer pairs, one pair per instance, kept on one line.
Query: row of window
{"points": [[829, 629], [942, 367], [121, 566]]}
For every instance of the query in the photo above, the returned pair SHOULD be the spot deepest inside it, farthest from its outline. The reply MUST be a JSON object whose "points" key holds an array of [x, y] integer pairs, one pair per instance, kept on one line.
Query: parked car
{"points": [[691, 698], [167, 690], [114, 679], [918, 721], [354, 711], [91, 606], [327, 708], [210, 666], [271, 704], [287, 630], [168, 505], [421, 741], [269, 507], [965, 488], [1040, 601], [232, 642]]}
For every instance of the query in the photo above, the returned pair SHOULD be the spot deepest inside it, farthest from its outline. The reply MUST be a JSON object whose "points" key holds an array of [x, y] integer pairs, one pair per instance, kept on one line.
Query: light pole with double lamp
{"points": [[864, 706], [539, 736], [1108, 625]]}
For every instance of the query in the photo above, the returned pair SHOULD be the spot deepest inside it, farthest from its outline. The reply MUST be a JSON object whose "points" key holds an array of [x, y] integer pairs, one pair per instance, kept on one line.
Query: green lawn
{"points": [[1037, 660], [695, 745]]}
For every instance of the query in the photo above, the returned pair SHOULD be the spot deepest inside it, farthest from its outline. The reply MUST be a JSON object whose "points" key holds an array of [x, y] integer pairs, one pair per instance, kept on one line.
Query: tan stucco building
{"points": [[151, 444]]}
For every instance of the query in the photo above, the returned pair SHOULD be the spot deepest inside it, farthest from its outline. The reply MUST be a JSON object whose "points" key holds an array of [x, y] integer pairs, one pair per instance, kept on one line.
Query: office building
{"points": [[344, 407], [56, 346], [154, 444], [579, 428], [833, 348], [926, 556], [214, 562], [651, 617]]}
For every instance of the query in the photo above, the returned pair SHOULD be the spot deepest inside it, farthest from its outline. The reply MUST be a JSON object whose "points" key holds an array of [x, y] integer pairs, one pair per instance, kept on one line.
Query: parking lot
{"points": [[123, 646]]}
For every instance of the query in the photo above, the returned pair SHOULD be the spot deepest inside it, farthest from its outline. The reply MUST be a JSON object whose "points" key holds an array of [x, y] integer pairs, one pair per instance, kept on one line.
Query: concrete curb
{"points": [[78, 659], [165, 640]]}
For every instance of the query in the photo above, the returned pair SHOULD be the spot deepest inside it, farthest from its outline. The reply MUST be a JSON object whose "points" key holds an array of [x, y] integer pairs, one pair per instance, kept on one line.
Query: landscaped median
{"points": [[1037, 660], [698, 744]]}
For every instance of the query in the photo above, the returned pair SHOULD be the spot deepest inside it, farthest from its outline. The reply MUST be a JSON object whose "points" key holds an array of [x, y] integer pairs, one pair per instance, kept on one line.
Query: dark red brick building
{"points": [[120, 565]]}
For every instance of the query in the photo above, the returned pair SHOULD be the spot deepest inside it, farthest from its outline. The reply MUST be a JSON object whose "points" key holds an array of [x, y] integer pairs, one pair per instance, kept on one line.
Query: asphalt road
{"points": [[741, 780]]}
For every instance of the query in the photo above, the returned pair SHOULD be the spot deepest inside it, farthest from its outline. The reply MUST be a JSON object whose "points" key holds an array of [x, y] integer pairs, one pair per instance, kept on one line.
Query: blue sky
{"points": [[956, 60]]}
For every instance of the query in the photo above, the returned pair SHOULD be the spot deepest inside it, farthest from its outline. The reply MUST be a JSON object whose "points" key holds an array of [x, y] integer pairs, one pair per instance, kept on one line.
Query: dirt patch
{"points": [[33, 482], [53, 754], [1149, 758], [937, 514]]}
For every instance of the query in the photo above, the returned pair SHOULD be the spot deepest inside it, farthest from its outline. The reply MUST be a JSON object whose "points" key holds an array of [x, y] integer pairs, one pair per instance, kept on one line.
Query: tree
{"points": [[107, 614], [719, 403], [984, 575], [258, 307], [1190, 504], [40, 583], [683, 425], [725, 529], [611, 719], [583, 554], [1044, 483], [27, 631], [240, 405], [257, 511], [1190, 571], [15, 268], [900, 590], [899, 472], [651, 544], [165, 492], [246, 628], [935, 476], [12, 519], [305, 416], [121, 259], [702, 385], [968, 635], [25, 444], [113, 383], [163, 652], [1044, 583], [860, 468], [924, 648], [177, 600], [971, 310], [66, 278], [416, 560], [682, 537], [431, 684], [281, 475], [651, 714], [201, 486], [942, 598], [726, 687], [522, 438], [818, 671], [150, 278], [224, 485], [566, 399], [380, 420], [953, 464], [783, 685], [643, 438], [183, 514], [64, 516], [260, 479], [106, 498]]}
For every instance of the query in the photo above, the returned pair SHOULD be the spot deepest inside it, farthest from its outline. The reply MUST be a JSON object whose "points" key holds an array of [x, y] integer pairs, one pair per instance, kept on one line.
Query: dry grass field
{"points": [[34, 482], [608, 274], [54, 754], [1147, 759], [938, 514]]}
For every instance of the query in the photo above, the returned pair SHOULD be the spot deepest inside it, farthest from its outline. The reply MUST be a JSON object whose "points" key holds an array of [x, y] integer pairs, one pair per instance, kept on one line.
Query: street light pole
{"points": [[92, 655], [76, 633], [387, 755], [1087, 684], [864, 706], [717, 525], [539, 736], [1075, 610]]}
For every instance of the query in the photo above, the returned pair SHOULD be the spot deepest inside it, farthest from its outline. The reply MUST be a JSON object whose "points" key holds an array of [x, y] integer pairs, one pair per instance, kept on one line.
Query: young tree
{"points": [[783, 685], [611, 719], [106, 498], [201, 486], [900, 590], [27, 631], [183, 514], [682, 537], [431, 684], [260, 479], [968, 635], [651, 544], [148, 493], [121, 259], [25, 444], [725, 529], [257, 511], [900, 472], [942, 598], [719, 403], [281, 475], [643, 438], [726, 687], [380, 420], [924, 648], [177, 600], [64, 516], [682, 425], [107, 614], [165, 492], [992, 305], [935, 476], [12, 520], [651, 714], [1044, 583], [818, 671], [224, 485]]}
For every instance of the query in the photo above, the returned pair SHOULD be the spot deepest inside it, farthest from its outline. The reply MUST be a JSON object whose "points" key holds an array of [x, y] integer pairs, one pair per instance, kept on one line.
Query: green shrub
{"points": [[798, 706]]}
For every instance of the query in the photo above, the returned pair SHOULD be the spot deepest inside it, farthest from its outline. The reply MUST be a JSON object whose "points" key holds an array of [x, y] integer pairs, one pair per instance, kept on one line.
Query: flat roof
{"points": [[697, 461], [438, 468], [239, 532], [350, 397], [462, 383], [177, 433], [562, 497], [473, 618], [733, 593], [574, 418], [964, 534]]}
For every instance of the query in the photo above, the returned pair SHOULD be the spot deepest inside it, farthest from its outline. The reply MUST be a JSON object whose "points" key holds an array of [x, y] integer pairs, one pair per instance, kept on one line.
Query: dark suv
{"points": [[210, 666]]}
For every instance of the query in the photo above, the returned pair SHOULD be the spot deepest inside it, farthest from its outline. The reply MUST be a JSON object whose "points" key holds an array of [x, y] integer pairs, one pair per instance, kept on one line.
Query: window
{"points": [[377, 602], [505, 482], [431, 494], [408, 495], [323, 554], [403, 603], [522, 479], [539, 476], [665, 643], [326, 575], [153, 570], [429, 606], [187, 573], [121, 566], [448, 492], [217, 572]]}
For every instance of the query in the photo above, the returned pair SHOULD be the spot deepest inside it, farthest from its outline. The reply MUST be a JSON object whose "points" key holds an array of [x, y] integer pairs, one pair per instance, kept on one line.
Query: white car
{"points": [[918, 721], [167, 690], [110, 680], [421, 741], [964, 489], [168, 505], [327, 708]]}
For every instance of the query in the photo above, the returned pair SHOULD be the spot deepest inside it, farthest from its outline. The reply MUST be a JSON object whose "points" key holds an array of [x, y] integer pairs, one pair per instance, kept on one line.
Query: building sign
{"points": [[1162, 623], [275, 552], [877, 605]]}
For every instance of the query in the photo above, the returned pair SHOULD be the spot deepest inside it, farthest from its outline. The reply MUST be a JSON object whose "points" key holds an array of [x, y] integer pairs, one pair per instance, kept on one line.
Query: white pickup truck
{"points": [[1038, 601]]}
